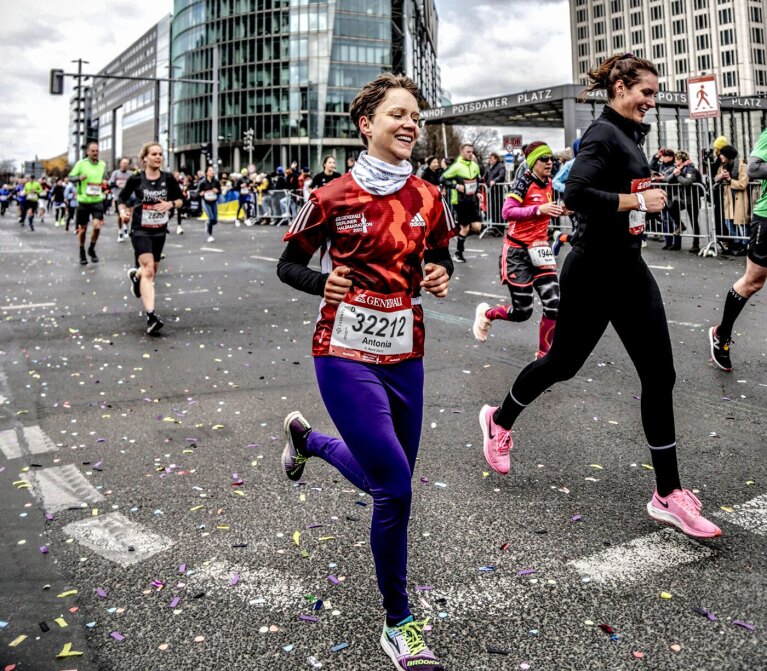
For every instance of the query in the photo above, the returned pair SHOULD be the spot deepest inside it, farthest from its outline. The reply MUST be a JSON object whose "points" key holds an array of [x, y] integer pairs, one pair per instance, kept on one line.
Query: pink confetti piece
{"points": [[423, 588], [576, 518], [234, 579], [182, 568], [425, 480], [117, 636], [334, 580], [308, 618], [44, 549], [526, 571], [175, 601]]}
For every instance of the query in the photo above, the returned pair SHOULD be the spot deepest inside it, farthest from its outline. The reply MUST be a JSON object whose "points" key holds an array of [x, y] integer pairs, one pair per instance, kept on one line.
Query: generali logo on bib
{"points": [[353, 223], [378, 302]]}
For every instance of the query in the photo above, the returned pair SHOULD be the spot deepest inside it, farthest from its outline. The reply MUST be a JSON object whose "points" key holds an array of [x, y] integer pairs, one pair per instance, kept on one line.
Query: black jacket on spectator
{"points": [[432, 176], [496, 173]]}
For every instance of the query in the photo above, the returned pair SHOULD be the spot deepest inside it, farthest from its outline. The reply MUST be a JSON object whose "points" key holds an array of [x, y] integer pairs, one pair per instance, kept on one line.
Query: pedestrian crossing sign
{"points": [[702, 97]]}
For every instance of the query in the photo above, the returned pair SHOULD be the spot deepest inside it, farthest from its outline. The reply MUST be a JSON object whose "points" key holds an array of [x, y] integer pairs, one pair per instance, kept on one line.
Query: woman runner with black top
{"points": [[605, 281], [328, 173], [156, 194], [210, 188]]}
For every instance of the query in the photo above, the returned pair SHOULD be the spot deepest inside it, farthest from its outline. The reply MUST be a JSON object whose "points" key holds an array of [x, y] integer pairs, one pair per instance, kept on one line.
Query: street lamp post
{"points": [[247, 143]]}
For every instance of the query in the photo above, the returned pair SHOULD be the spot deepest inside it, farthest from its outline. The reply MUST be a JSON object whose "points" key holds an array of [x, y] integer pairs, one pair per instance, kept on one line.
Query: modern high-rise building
{"points": [[131, 112], [683, 38], [288, 69]]}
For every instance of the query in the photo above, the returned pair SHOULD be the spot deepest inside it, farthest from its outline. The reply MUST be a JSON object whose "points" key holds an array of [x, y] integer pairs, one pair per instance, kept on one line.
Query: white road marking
{"points": [[27, 306], [37, 441], [193, 291], [264, 258], [641, 557], [9, 444], [63, 487], [211, 249], [752, 515], [661, 267], [690, 324], [480, 293], [113, 535], [448, 319], [279, 590]]}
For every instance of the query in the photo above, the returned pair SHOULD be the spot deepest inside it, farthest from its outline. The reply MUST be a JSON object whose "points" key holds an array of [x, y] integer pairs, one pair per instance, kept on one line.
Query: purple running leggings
{"points": [[378, 411]]}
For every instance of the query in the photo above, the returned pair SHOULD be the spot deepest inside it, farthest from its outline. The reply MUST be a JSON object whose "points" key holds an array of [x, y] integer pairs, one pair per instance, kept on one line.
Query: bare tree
{"points": [[8, 169], [430, 142], [485, 141]]}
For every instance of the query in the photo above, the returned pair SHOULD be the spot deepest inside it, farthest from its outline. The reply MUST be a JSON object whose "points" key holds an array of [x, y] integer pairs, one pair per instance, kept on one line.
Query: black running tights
{"points": [[592, 297]]}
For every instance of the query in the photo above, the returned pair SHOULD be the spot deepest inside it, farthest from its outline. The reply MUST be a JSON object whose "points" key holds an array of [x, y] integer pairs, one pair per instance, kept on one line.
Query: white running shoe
{"points": [[211, 238], [482, 324], [179, 230]]}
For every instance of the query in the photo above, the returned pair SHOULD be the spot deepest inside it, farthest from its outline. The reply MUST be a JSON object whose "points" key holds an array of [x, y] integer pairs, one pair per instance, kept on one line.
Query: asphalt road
{"points": [[177, 529]]}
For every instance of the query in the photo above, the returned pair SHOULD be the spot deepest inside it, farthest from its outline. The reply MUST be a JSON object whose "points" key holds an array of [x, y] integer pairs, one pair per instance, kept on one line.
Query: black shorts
{"points": [[757, 243], [467, 211], [30, 205], [148, 244], [517, 270], [87, 210]]}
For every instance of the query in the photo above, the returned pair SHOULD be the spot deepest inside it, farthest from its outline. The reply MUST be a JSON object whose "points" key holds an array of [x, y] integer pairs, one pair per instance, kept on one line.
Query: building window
{"points": [[729, 80], [679, 27], [680, 66], [656, 13], [759, 57], [703, 41], [583, 33], [617, 23], [728, 57], [635, 3], [636, 18], [581, 16], [704, 62], [618, 42], [583, 49], [599, 28], [760, 76], [601, 46], [661, 67], [701, 4], [677, 7], [680, 47], [657, 32], [599, 11], [701, 21], [726, 37], [616, 6], [637, 37], [756, 14], [757, 35], [658, 51], [725, 15]]}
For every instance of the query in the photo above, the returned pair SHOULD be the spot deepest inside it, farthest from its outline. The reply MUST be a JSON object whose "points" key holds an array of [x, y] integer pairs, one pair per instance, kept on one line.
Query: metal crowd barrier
{"points": [[686, 216], [731, 213]]}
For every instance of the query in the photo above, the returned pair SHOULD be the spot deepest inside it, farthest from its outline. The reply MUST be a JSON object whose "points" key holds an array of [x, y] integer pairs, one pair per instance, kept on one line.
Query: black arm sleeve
{"points": [[441, 257], [757, 168], [588, 168], [292, 270], [133, 183]]}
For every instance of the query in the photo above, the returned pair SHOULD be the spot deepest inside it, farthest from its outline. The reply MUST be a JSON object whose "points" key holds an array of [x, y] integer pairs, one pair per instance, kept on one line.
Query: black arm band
{"points": [[292, 270]]}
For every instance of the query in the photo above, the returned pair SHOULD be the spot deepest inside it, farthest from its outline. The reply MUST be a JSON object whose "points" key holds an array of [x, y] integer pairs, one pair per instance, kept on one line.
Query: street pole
{"points": [[214, 112], [80, 108], [444, 139]]}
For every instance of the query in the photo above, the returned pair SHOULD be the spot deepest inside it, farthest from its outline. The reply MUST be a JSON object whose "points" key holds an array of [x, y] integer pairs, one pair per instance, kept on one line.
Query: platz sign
{"points": [[702, 97]]}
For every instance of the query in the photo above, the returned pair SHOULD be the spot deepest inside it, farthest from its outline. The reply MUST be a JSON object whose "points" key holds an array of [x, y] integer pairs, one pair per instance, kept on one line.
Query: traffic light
{"points": [[57, 82], [247, 139]]}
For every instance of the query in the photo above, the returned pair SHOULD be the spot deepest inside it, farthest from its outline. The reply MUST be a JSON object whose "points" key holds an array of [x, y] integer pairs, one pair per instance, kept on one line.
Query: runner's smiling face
{"points": [[391, 130], [633, 103], [154, 157]]}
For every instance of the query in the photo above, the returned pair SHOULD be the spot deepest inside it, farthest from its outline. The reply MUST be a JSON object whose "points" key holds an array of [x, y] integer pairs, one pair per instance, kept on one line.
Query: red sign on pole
{"points": [[512, 142], [702, 97]]}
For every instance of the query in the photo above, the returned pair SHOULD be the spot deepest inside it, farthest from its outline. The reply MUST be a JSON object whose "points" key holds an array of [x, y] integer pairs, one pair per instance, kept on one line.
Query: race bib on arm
{"points": [[369, 325], [637, 218]]}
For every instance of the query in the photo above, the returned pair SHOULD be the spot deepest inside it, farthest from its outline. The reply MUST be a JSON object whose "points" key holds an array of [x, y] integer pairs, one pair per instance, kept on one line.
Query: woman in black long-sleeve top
{"points": [[605, 281]]}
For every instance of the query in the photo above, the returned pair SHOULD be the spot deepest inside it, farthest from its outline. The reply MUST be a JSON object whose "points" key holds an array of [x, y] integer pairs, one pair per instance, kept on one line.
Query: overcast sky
{"points": [[487, 47]]}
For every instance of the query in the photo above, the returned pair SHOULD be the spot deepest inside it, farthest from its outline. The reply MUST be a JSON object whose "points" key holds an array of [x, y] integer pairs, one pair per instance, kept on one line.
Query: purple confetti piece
{"points": [[2, 468], [425, 480], [334, 580], [44, 549], [175, 601], [158, 583], [314, 526], [423, 588], [49, 517], [526, 571], [101, 440], [117, 636], [182, 568], [308, 618], [486, 569], [576, 518], [234, 579], [705, 613], [745, 625], [101, 593], [273, 437], [252, 445]]}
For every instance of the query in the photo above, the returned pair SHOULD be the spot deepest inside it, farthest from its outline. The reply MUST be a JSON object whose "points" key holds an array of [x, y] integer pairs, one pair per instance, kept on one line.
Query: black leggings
{"points": [[592, 296]]}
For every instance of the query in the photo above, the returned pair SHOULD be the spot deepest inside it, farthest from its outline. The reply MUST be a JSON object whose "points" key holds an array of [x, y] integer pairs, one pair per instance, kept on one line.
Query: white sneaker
{"points": [[237, 223], [179, 230], [481, 324], [211, 238]]}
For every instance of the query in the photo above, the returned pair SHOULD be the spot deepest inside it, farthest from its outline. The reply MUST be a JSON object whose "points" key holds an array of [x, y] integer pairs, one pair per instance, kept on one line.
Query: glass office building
{"points": [[288, 69]]}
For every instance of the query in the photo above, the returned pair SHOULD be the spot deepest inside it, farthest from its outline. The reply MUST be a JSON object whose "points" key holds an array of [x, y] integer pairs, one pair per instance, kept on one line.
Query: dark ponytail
{"points": [[621, 67]]}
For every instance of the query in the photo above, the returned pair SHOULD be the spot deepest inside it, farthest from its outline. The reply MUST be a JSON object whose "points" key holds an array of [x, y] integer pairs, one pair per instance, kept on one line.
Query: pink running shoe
{"points": [[481, 324], [682, 509], [497, 441]]}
